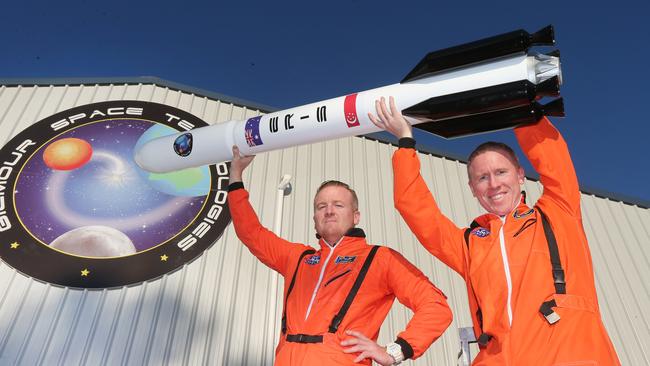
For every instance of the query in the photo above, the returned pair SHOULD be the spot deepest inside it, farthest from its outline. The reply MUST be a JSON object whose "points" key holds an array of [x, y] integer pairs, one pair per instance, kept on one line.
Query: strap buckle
{"points": [[334, 326], [483, 339], [547, 310]]}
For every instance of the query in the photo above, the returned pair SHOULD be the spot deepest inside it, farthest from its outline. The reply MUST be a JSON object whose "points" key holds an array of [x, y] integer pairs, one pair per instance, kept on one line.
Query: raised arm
{"points": [[262, 243], [548, 153], [412, 197]]}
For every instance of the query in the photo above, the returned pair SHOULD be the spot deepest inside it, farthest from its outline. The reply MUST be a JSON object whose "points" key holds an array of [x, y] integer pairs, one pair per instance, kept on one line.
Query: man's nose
{"points": [[493, 182]]}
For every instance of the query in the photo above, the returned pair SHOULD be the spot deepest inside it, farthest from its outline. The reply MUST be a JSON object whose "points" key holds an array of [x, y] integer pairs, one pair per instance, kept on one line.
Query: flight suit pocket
{"points": [[337, 276], [578, 320]]}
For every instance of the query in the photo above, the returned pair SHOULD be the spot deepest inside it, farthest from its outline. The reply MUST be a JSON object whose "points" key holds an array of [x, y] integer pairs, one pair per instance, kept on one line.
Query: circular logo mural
{"points": [[76, 210]]}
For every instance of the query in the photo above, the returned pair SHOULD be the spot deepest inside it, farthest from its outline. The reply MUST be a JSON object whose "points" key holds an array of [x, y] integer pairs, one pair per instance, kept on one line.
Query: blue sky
{"points": [[285, 54]]}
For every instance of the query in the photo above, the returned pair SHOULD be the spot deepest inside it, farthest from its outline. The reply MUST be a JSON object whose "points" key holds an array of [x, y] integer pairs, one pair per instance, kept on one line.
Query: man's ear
{"points": [[471, 187]]}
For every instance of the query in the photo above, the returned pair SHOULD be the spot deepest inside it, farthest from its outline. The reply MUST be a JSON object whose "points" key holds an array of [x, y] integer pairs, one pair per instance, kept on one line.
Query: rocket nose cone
{"points": [[146, 158], [138, 158], [141, 159]]}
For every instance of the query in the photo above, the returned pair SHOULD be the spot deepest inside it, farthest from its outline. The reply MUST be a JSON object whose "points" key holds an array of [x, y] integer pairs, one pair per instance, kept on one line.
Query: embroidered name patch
{"points": [[348, 259], [481, 232], [314, 259]]}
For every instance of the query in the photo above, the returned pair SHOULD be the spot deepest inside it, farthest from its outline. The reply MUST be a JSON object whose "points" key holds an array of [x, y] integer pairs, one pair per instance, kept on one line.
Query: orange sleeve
{"points": [[431, 313], [269, 248], [548, 153], [416, 204]]}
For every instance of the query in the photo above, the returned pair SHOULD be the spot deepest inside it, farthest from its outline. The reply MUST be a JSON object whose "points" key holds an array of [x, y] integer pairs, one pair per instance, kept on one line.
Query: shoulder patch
{"points": [[345, 259], [481, 232], [313, 260]]}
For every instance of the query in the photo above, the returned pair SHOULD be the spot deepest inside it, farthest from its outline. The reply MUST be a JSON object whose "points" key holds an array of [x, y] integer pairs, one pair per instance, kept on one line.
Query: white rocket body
{"points": [[334, 118]]}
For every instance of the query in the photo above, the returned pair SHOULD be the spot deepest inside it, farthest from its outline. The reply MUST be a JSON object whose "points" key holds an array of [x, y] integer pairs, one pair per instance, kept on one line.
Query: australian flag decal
{"points": [[481, 232], [252, 132]]}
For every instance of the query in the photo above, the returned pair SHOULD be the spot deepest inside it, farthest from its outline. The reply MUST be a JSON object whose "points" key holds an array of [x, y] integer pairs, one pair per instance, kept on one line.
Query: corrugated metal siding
{"points": [[221, 309]]}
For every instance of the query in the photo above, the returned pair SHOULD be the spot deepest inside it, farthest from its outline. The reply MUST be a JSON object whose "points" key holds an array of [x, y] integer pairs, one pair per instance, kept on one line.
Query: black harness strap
{"points": [[558, 272], [556, 267], [304, 338], [336, 321], [293, 282], [484, 338]]}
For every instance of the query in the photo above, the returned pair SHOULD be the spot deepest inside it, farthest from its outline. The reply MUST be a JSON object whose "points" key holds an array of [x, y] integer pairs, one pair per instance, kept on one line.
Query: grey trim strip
{"points": [[136, 80]]}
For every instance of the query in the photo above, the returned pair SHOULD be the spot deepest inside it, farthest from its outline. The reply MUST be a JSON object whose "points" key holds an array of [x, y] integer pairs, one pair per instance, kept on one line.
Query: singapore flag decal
{"points": [[350, 110]]}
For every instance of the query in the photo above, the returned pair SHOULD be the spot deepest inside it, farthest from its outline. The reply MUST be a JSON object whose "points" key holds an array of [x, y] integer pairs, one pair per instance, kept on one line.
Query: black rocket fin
{"points": [[494, 120], [481, 50], [554, 53], [548, 88], [497, 97], [554, 108]]}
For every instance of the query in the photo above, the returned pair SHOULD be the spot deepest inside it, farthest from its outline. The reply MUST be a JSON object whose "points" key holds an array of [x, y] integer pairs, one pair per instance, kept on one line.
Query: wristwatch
{"points": [[395, 351]]}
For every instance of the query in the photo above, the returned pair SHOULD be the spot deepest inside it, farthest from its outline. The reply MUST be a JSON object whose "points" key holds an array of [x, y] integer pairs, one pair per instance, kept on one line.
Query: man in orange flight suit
{"points": [[336, 298], [530, 280]]}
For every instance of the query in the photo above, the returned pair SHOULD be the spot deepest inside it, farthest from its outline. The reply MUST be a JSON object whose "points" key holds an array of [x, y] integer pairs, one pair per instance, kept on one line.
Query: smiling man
{"points": [[337, 297], [528, 270], [495, 177]]}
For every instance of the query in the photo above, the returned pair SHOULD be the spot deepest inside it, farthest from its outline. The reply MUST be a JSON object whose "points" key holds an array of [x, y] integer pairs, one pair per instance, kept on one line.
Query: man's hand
{"points": [[238, 164], [391, 121], [367, 348]]}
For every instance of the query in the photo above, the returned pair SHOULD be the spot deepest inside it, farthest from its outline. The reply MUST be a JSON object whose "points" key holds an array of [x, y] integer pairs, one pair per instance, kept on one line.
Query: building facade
{"points": [[223, 307]]}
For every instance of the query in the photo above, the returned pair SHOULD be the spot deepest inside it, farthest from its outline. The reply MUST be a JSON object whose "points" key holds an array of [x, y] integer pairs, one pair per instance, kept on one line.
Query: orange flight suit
{"points": [[323, 281], [579, 337]]}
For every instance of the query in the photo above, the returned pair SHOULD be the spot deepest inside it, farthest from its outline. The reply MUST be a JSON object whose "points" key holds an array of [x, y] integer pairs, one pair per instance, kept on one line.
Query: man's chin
{"points": [[497, 210]]}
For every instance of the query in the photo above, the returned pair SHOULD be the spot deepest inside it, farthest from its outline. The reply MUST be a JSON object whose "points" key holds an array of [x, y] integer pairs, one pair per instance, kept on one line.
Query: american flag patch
{"points": [[481, 232], [314, 259]]}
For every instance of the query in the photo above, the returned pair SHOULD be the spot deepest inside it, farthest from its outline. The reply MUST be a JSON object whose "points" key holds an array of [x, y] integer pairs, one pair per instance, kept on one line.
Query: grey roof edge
{"points": [[378, 136], [132, 80], [386, 138]]}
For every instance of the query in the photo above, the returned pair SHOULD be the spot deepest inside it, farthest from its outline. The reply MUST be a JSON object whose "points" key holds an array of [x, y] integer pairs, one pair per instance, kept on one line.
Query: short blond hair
{"points": [[336, 183], [493, 146]]}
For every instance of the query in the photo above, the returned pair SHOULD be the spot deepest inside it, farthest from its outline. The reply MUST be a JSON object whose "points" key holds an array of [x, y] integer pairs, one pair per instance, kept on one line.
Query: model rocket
{"points": [[481, 86]]}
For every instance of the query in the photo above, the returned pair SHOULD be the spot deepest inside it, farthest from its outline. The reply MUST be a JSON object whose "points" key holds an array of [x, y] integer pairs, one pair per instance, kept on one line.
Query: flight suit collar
{"points": [[351, 235], [521, 211]]}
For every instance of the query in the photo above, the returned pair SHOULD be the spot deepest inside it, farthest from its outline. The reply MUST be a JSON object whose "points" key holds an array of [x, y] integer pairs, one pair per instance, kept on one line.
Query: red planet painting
{"points": [[67, 154]]}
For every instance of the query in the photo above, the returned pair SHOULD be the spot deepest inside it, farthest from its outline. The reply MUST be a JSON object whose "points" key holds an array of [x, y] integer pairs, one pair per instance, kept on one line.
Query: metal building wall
{"points": [[221, 309]]}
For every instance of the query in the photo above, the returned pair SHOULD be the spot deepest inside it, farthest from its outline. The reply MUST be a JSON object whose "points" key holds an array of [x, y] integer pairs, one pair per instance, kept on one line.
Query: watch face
{"points": [[75, 209]]}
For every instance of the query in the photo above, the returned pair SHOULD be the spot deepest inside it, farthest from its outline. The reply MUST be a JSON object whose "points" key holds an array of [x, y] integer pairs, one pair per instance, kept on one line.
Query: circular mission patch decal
{"points": [[76, 210]]}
